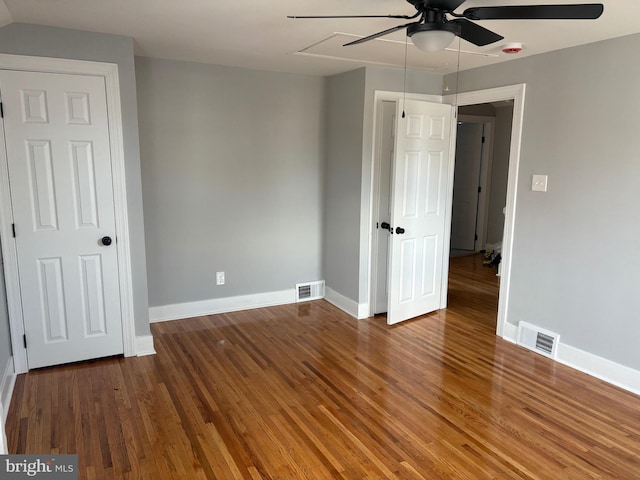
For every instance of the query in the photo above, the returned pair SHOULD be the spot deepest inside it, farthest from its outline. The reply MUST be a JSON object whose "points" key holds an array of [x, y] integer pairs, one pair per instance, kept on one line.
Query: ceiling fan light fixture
{"points": [[432, 38]]}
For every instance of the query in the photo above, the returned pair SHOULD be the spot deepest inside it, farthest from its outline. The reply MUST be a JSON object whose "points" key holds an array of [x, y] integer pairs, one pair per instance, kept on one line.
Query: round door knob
{"points": [[399, 230], [106, 241]]}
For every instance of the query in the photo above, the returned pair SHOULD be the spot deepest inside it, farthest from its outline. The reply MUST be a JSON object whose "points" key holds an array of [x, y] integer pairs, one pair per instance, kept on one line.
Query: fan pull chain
{"points": [[404, 86]]}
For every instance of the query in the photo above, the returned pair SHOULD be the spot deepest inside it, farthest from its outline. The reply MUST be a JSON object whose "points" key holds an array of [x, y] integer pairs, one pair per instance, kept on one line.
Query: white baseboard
{"points": [[355, 309], [220, 305], [611, 372], [7, 383], [144, 345], [585, 362], [3, 436], [510, 332]]}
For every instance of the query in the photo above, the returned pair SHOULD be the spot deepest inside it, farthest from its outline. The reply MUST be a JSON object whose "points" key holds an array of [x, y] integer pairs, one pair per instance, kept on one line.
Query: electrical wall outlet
{"points": [[219, 278], [539, 183]]}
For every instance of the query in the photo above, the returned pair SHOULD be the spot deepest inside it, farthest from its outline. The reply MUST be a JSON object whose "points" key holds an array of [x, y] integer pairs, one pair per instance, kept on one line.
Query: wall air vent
{"points": [[538, 339], [309, 291]]}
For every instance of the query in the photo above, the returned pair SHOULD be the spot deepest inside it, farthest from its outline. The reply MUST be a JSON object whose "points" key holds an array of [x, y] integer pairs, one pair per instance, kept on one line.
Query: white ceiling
{"points": [[258, 34]]}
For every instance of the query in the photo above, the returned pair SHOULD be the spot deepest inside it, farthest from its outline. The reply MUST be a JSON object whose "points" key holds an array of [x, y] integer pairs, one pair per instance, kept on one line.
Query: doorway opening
{"points": [[413, 167], [479, 203], [14, 300], [501, 97]]}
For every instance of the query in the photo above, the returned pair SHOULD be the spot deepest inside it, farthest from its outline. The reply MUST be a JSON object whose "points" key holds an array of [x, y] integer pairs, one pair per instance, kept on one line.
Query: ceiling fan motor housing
{"points": [[427, 27]]}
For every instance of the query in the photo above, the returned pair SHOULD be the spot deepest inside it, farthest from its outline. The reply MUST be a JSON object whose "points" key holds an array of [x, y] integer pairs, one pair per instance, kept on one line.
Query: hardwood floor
{"points": [[304, 391]]}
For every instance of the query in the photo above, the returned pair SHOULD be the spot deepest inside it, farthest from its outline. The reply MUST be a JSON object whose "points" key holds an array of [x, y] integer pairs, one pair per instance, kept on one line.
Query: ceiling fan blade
{"points": [[583, 11], [474, 33], [379, 34], [445, 5], [355, 16]]}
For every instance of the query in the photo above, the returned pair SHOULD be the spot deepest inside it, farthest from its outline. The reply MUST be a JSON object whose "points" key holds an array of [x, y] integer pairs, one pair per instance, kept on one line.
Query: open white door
{"points": [[59, 160], [418, 218]]}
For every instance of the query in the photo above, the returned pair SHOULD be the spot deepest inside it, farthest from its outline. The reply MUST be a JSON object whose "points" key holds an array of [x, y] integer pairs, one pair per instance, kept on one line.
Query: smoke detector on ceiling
{"points": [[512, 48]]}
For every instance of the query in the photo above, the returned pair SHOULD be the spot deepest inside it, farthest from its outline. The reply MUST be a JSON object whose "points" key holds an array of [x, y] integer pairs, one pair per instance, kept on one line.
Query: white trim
{"points": [[353, 308], [144, 345], [213, 306], [448, 210], [585, 362], [3, 436], [611, 372], [78, 67], [389, 96], [363, 311], [517, 94], [510, 333], [7, 383]]}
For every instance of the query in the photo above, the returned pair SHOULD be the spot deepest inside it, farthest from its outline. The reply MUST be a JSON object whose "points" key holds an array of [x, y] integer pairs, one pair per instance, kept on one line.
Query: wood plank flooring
{"points": [[304, 391]]}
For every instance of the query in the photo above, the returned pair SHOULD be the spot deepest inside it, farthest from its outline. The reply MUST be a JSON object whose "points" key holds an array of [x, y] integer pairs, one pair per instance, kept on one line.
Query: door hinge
{"points": [[13, 229], [475, 237], [1, 110], [479, 189], [482, 139], [24, 340]]}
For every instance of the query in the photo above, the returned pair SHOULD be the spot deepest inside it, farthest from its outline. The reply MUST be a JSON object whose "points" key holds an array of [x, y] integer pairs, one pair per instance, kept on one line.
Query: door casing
{"points": [[110, 73], [510, 92], [517, 94], [398, 97]]}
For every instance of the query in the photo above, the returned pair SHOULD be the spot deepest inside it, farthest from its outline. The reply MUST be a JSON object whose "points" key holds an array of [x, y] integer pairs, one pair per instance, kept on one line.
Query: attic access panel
{"points": [[384, 51]]}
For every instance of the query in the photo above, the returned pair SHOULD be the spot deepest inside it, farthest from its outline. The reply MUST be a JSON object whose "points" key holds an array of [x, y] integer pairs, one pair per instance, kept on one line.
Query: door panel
{"points": [[419, 195], [59, 159]]}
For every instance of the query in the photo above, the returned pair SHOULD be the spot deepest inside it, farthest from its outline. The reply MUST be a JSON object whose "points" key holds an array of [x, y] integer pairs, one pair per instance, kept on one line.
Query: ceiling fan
{"points": [[434, 31]]}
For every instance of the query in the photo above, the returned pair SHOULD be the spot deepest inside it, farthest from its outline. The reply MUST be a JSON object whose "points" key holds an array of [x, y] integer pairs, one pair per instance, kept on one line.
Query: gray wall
{"points": [[499, 173], [576, 264], [232, 175], [350, 109], [345, 116], [24, 39]]}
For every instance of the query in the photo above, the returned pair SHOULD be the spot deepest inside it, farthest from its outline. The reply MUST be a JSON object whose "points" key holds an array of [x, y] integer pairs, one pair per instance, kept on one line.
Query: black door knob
{"points": [[385, 225], [399, 230], [106, 241]]}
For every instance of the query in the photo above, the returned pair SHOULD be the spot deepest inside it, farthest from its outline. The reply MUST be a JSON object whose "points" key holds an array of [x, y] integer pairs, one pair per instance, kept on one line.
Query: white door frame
{"points": [[515, 93], [110, 73], [379, 97]]}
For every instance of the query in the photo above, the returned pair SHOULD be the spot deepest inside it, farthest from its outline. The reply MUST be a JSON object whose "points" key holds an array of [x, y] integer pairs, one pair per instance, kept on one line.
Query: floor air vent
{"points": [[538, 339], [309, 291]]}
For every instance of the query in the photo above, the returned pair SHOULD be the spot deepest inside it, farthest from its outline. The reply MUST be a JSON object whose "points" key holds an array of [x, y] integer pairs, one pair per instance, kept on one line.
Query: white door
{"points": [[57, 141], [384, 163], [418, 219], [465, 186]]}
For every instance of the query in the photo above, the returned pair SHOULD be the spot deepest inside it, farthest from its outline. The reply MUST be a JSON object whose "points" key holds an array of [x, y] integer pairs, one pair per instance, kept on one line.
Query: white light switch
{"points": [[539, 183]]}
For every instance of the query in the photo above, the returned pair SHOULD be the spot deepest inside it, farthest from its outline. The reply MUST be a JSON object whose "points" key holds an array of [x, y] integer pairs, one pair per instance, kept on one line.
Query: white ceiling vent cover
{"points": [[538, 339], [309, 291]]}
